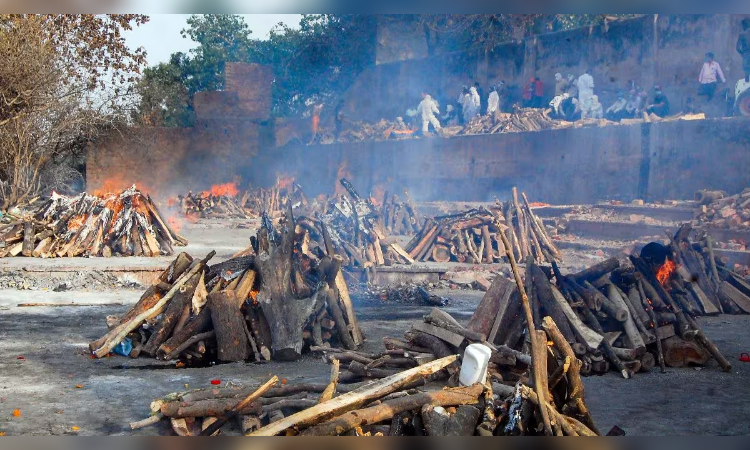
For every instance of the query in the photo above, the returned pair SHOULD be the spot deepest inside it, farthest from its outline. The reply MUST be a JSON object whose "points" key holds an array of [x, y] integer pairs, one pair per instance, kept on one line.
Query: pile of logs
{"points": [[521, 119], [207, 205], [473, 236], [363, 131], [627, 315], [354, 226], [274, 305], [274, 199], [400, 217], [124, 224], [717, 210], [406, 393]]}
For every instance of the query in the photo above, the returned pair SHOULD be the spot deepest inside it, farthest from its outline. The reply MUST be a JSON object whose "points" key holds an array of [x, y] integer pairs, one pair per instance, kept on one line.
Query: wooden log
{"points": [[440, 253], [390, 408], [586, 335], [199, 324], [543, 289], [628, 325], [118, 333], [354, 399], [729, 293], [229, 325], [462, 422], [596, 271], [454, 328], [451, 338], [490, 307], [523, 236], [680, 352], [171, 316], [236, 409], [260, 329], [27, 249], [576, 391], [647, 362], [330, 390], [539, 378], [205, 408]]}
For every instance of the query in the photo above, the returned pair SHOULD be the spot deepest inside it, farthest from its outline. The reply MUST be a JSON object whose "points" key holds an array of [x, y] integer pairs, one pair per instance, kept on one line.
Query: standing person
{"points": [[471, 107], [427, 109], [585, 93], [315, 123], [660, 106], [482, 98], [743, 47], [528, 94], [502, 93], [710, 74], [339, 117], [460, 103], [538, 93], [561, 84], [493, 101]]}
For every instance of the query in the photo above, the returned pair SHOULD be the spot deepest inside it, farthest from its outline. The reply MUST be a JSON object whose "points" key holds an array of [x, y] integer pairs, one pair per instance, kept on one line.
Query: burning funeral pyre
{"points": [[474, 236], [287, 298], [626, 316], [124, 224]]}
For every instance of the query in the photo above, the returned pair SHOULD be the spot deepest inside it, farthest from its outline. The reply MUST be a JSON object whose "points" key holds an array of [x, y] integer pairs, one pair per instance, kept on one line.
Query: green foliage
{"points": [[311, 64]]}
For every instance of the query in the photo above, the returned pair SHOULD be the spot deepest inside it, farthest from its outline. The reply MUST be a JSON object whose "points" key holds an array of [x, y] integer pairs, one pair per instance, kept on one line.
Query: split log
{"points": [[205, 408], [453, 328], [628, 325], [585, 334], [489, 308], [353, 400], [543, 289], [596, 271], [390, 408], [729, 293], [330, 390], [171, 316], [28, 238], [229, 325], [199, 324], [452, 338], [438, 422], [679, 352]]}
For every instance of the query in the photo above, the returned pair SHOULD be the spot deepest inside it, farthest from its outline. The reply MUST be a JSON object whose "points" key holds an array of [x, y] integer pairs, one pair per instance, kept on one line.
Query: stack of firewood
{"points": [[274, 199], [274, 305], [124, 224], [717, 210], [623, 315], [522, 119], [207, 205], [400, 217], [363, 131], [406, 393], [474, 236]]}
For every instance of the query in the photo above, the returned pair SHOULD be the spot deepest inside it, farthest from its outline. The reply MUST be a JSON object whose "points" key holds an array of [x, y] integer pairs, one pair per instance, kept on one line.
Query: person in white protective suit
{"points": [[585, 85], [428, 108], [471, 107], [493, 101], [561, 94], [597, 110]]}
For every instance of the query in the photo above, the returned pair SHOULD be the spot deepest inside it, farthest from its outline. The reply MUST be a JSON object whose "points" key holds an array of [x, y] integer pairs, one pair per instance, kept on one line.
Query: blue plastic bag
{"points": [[124, 347]]}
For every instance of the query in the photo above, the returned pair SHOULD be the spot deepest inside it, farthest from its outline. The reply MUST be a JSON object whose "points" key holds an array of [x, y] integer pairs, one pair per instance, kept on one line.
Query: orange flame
{"points": [[377, 195], [665, 272], [284, 182], [226, 189], [75, 223]]}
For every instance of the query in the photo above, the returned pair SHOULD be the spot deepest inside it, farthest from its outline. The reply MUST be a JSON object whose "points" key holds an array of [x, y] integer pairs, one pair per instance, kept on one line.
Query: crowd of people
{"points": [[574, 98]]}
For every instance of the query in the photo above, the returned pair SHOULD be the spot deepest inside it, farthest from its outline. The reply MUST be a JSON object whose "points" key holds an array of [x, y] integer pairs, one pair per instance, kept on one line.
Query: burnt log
{"points": [[229, 325]]}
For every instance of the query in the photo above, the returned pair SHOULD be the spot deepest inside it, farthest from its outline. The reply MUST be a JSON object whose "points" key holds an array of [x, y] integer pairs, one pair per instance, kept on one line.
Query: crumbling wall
{"points": [[654, 49]]}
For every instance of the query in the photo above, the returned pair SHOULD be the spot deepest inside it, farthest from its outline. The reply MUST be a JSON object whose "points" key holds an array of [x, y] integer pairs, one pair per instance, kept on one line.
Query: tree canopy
{"points": [[319, 60]]}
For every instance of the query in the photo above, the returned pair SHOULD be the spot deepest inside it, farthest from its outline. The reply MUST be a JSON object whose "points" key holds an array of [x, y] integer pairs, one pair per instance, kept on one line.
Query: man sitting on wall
{"points": [[660, 106], [617, 111]]}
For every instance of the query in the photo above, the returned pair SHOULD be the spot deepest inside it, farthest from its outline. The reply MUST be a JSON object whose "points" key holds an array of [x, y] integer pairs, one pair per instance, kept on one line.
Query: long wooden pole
{"points": [[538, 377]]}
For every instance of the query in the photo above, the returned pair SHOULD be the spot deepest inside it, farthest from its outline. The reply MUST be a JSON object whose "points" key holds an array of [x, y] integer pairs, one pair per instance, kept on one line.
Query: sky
{"points": [[161, 35]]}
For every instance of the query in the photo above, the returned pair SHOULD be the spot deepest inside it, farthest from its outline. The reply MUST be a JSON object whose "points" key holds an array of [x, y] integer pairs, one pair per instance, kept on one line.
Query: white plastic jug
{"points": [[474, 365]]}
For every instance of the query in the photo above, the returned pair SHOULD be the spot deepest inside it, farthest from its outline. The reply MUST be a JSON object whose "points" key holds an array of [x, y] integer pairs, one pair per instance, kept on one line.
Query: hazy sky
{"points": [[161, 35]]}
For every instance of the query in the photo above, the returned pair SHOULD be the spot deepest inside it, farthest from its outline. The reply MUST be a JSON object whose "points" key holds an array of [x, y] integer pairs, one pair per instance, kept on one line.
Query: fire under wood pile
{"points": [[124, 224], [275, 305], [717, 210], [473, 236], [624, 316], [400, 217], [410, 389]]}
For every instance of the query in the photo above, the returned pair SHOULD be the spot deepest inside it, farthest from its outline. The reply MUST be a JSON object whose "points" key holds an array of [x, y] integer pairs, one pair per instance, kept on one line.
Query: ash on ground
{"points": [[403, 293], [75, 281]]}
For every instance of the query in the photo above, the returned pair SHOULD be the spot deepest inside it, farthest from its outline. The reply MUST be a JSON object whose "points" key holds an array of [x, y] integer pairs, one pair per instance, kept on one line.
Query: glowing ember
{"points": [[75, 223], [665, 272], [226, 189], [254, 297]]}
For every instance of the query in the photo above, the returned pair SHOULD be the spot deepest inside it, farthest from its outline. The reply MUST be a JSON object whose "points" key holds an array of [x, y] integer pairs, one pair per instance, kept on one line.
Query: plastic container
{"points": [[474, 365], [124, 347]]}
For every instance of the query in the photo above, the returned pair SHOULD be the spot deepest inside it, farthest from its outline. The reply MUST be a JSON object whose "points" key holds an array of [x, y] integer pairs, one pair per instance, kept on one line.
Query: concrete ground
{"points": [[46, 372]]}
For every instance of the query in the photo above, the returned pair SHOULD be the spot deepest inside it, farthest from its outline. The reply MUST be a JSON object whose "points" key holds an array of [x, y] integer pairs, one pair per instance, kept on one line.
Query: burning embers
{"points": [[125, 224]]}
